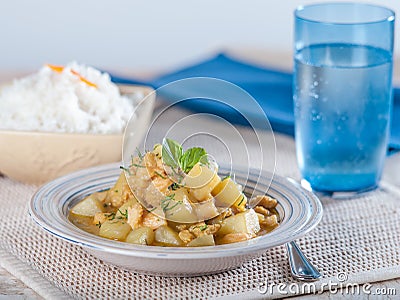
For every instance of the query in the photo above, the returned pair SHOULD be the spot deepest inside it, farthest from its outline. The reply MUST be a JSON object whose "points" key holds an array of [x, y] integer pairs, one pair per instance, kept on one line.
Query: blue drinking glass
{"points": [[342, 94]]}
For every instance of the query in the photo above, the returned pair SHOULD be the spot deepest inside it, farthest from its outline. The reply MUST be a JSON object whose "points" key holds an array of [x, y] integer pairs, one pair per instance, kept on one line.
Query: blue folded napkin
{"points": [[271, 88]]}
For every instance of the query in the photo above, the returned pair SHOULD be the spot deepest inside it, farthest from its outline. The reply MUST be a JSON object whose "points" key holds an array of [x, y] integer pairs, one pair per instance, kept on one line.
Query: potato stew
{"points": [[174, 198]]}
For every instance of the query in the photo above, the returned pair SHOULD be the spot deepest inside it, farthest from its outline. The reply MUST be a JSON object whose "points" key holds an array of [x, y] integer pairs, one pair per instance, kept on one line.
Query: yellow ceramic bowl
{"points": [[37, 157]]}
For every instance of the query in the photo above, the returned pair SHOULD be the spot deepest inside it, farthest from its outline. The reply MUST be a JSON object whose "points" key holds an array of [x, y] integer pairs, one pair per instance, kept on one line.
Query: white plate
{"points": [[299, 209]]}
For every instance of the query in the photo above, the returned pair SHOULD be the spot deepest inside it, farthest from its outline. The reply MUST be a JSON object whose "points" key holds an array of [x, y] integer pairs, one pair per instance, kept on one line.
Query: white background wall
{"points": [[146, 36]]}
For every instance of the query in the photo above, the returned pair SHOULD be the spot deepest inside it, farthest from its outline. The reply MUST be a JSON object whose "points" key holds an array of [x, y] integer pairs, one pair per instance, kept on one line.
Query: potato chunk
{"points": [[178, 209], [203, 240], [199, 176], [88, 207], [115, 229], [206, 210], [244, 222], [122, 211], [120, 192], [201, 180], [141, 236], [226, 193], [100, 218], [203, 193], [166, 236]]}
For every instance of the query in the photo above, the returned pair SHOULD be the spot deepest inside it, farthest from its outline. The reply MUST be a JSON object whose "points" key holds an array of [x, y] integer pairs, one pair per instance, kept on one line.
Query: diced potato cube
{"points": [[179, 208], [226, 193], [88, 207], [203, 193], [180, 194], [141, 236], [166, 236], [118, 186], [201, 175], [203, 240], [244, 222], [100, 218], [123, 210], [206, 210], [115, 194], [115, 229], [101, 196]]}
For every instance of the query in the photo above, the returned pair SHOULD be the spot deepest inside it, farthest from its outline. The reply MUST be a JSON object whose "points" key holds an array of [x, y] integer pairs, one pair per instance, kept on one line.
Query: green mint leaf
{"points": [[191, 157], [171, 153], [204, 159], [173, 156]]}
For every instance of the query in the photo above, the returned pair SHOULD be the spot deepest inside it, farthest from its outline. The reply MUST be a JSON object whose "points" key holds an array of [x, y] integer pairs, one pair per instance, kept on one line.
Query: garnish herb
{"points": [[98, 224], [174, 156], [137, 165], [125, 169], [171, 153], [110, 216], [132, 157], [124, 215], [174, 186], [151, 210], [226, 177], [158, 174], [173, 206], [140, 155], [165, 203], [191, 157], [241, 201], [203, 227]]}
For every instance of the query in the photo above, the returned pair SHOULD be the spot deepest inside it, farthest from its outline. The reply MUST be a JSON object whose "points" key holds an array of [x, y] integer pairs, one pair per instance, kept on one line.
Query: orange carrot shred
{"points": [[57, 69], [83, 79]]}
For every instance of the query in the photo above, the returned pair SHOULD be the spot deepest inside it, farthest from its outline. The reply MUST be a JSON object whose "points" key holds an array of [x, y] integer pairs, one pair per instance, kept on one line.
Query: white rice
{"points": [[61, 102]]}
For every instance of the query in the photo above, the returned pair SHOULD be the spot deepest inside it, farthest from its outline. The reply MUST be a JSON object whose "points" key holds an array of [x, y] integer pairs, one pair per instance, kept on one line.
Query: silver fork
{"points": [[300, 267]]}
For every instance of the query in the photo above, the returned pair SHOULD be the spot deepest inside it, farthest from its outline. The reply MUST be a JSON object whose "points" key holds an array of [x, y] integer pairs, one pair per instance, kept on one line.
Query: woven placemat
{"points": [[358, 237]]}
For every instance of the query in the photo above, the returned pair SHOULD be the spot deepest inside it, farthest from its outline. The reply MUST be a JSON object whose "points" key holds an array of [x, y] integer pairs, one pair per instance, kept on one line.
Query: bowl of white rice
{"points": [[66, 118]]}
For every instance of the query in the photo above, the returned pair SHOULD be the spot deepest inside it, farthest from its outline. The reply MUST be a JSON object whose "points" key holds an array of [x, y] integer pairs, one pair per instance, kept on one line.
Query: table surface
{"points": [[13, 288]]}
